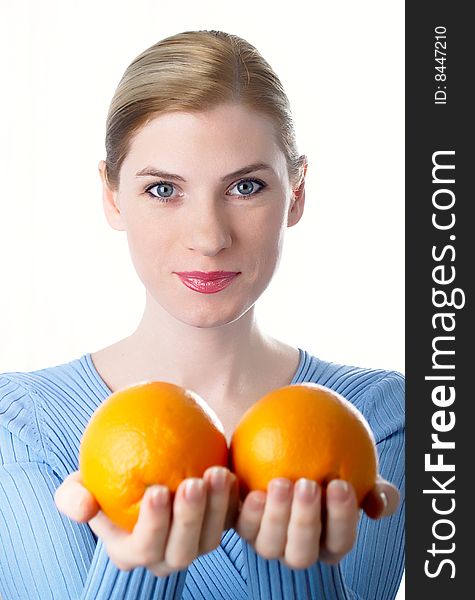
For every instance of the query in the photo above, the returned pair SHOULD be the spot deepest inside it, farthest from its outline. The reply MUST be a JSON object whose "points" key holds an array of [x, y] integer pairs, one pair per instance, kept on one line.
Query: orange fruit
{"points": [[303, 430], [145, 434]]}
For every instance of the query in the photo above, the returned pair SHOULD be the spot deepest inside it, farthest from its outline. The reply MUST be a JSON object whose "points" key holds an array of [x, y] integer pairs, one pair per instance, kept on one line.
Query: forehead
{"points": [[226, 137]]}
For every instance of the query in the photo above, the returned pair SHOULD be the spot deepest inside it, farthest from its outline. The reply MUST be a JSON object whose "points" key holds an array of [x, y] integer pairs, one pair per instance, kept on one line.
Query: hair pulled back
{"points": [[196, 71]]}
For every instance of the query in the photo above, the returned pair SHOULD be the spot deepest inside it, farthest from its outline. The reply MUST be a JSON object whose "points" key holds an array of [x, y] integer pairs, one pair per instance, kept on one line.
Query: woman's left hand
{"points": [[295, 524]]}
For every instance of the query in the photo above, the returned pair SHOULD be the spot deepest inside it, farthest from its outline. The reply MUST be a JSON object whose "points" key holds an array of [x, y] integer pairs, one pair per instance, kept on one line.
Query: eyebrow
{"points": [[152, 172]]}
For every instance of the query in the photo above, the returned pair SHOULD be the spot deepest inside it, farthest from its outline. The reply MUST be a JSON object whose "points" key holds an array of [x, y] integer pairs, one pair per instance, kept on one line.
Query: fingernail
{"points": [[257, 501], [280, 489], [194, 489], [338, 489], [159, 496], [306, 489], [384, 500], [219, 477]]}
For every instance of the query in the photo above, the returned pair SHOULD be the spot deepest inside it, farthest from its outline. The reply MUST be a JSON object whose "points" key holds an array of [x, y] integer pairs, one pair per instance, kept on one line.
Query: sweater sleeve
{"points": [[43, 554], [373, 569]]}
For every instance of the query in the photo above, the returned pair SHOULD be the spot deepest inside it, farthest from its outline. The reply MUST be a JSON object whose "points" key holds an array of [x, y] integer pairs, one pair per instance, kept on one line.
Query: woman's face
{"points": [[186, 208]]}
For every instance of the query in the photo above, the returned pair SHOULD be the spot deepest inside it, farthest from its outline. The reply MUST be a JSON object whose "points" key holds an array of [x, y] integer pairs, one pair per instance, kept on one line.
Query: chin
{"points": [[210, 317]]}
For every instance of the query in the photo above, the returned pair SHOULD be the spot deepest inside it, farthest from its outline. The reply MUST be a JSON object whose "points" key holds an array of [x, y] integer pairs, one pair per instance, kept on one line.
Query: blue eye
{"points": [[247, 187], [164, 190]]}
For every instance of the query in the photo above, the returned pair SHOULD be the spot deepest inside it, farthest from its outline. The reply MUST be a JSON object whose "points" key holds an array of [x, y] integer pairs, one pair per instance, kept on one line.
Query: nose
{"points": [[207, 231]]}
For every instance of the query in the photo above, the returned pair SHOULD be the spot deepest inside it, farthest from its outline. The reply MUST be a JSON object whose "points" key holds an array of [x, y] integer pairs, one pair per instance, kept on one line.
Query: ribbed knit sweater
{"points": [[43, 554]]}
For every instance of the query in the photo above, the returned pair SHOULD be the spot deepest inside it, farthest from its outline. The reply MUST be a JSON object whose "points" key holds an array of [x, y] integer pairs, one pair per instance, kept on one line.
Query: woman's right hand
{"points": [[168, 535]]}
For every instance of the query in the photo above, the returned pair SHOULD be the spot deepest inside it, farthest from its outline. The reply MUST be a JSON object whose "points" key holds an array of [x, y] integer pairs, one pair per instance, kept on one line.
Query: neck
{"points": [[216, 362]]}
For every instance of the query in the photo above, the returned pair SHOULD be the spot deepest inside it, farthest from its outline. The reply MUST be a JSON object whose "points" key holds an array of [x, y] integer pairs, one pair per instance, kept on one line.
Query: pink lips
{"points": [[207, 282]]}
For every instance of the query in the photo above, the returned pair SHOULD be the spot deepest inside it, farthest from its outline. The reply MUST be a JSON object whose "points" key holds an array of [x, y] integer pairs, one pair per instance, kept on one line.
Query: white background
{"points": [[67, 283]]}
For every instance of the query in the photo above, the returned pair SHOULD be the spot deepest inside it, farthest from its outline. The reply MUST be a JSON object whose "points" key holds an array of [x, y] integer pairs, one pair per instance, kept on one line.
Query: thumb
{"points": [[382, 500], [74, 500]]}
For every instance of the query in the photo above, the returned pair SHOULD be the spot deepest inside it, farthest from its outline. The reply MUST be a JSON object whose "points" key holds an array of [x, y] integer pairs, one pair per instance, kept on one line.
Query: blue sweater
{"points": [[43, 554]]}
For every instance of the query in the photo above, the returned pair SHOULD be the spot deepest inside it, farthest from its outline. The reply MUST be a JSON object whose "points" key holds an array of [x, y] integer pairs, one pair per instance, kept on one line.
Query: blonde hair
{"points": [[195, 71]]}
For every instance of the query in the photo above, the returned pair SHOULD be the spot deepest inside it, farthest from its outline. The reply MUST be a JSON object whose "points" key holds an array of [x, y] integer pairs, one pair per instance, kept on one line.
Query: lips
{"points": [[208, 282]]}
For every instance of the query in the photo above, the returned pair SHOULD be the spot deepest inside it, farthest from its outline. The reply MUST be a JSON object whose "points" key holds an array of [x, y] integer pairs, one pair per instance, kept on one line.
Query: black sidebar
{"points": [[440, 332]]}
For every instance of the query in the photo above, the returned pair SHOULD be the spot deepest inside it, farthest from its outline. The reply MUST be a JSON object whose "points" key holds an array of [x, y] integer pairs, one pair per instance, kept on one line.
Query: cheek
{"points": [[265, 237], [147, 242]]}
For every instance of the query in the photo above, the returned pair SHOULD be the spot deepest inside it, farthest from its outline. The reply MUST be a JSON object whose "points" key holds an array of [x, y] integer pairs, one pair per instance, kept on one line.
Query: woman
{"points": [[202, 173]]}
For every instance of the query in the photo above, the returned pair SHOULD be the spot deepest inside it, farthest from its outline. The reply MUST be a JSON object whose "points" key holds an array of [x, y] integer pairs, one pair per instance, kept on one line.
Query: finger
{"points": [[272, 536], [188, 512], [74, 500], [233, 504], [150, 533], [250, 516], [303, 534], [145, 545], [342, 516], [218, 483], [382, 500]]}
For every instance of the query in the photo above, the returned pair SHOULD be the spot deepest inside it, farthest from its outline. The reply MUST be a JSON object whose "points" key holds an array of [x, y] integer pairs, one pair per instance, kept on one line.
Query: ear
{"points": [[297, 202], [109, 201]]}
